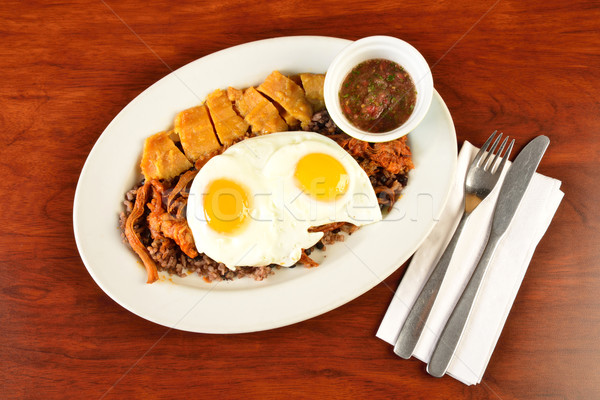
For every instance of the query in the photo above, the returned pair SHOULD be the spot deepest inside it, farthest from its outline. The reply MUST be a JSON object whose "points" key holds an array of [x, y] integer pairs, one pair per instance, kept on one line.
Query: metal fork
{"points": [[481, 178]]}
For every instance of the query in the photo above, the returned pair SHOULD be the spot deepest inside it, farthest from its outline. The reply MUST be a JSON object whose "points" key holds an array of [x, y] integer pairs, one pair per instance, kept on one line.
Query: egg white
{"points": [[281, 213]]}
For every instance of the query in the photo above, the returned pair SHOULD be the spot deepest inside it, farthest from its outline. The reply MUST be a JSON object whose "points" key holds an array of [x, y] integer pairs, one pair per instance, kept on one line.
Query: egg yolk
{"points": [[321, 176], [226, 206]]}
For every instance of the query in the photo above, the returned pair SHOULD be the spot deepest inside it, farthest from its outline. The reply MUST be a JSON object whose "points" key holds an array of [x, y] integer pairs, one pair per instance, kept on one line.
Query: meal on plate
{"points": [[256, 179]]}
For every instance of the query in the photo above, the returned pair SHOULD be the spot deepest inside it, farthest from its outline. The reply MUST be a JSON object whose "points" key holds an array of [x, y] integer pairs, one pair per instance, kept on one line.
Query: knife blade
{"points": [[516, 182], [511, 193]]}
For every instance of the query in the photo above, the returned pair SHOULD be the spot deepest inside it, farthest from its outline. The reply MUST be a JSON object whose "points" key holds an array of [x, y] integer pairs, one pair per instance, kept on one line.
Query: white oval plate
{"points": [[291, 295]]}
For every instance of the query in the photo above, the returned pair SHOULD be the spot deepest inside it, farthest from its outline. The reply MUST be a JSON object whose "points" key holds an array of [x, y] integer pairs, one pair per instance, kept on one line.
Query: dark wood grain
{"points": [[526, 68]]}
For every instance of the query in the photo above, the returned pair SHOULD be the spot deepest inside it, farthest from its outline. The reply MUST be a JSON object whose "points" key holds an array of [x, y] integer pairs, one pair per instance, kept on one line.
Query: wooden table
{"points": [[526, 68]]}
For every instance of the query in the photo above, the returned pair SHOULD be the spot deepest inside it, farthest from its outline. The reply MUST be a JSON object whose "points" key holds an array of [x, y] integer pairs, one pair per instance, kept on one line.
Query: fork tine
{"points": [[492, 170], [490, 153], [483, 149], [506, 155]]}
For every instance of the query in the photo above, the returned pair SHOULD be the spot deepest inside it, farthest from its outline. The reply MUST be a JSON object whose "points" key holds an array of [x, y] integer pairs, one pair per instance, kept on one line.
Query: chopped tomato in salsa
{"points": [[378, 96]]}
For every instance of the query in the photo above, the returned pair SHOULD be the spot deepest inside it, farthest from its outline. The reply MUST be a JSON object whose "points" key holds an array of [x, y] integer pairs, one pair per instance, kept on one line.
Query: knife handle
{"points": [[453, 331], [417, 317]]}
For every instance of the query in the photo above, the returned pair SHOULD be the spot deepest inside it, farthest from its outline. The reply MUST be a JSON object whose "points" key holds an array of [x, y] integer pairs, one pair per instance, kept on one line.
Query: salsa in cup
{"points": [[378, 95]]}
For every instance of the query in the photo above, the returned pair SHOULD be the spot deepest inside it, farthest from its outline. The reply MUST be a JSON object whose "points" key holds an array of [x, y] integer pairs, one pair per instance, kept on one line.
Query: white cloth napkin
{"points": [[502, 280]]}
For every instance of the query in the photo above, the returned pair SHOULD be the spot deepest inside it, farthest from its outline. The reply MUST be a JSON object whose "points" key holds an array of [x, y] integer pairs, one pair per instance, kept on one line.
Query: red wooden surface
{"points": [[526, 68]]}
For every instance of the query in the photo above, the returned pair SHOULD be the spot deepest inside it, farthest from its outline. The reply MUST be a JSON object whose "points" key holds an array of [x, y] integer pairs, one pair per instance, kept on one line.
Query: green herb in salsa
{"points": [[378, 96]]}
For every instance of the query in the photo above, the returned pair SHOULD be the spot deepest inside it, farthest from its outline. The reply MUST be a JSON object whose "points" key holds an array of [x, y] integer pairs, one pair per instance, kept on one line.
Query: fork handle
{"points": [[417, 317], [453, 331]]}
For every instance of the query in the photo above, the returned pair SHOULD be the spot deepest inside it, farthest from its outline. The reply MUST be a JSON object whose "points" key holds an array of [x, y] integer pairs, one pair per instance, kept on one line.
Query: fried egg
{"points": [[253, 204]]}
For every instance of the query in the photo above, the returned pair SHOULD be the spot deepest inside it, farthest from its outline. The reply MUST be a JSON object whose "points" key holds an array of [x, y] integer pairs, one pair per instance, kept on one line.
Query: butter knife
{"points": [[511, 193]]}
